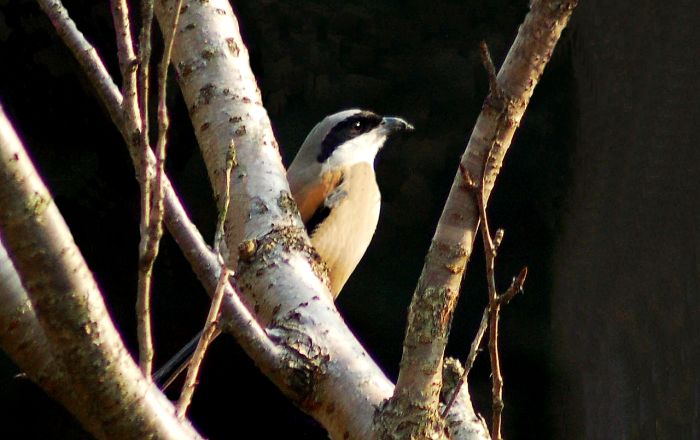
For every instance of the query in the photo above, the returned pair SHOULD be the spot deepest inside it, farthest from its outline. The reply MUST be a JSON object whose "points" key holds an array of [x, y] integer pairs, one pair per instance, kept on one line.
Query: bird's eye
{"points": [[357, 125]]}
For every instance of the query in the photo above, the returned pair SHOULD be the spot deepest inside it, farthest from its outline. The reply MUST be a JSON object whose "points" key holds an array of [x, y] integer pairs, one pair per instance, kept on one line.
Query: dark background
{"points": [[597, 197]]}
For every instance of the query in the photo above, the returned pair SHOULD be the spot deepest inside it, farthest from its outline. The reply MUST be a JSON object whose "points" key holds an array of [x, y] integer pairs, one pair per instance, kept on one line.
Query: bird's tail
{"points": [[170, 371]]}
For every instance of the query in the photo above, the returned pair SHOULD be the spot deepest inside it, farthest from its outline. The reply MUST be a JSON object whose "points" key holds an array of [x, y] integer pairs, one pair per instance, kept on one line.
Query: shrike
{"points": [[332, 180], [333, 183]]}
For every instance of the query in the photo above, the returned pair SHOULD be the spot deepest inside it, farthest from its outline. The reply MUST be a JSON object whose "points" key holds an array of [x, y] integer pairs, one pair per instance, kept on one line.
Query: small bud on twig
{"points": [[498, 238]]}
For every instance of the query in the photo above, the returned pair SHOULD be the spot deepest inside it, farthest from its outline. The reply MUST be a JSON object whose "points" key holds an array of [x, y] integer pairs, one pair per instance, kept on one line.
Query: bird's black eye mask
{"points": [[347, 129]]}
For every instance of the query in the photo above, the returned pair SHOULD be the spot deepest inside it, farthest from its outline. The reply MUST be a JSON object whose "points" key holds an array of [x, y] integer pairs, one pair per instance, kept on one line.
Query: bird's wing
{"points": [[344, 225], [311, 197], [334, 197]]}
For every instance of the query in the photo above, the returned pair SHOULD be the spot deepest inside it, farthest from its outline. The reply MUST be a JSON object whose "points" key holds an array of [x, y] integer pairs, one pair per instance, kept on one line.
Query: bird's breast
{"points": [[343, 237]]}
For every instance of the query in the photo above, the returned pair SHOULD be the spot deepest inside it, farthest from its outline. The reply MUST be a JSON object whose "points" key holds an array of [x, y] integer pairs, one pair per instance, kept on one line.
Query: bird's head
{"points": [[349, 137]]}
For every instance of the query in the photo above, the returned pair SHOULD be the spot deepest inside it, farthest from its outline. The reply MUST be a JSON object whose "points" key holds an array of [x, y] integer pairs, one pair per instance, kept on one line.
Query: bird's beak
{"points": [[393, 125]]}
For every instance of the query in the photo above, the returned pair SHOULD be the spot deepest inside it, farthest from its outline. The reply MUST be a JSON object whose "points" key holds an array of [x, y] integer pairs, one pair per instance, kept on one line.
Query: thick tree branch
{"points": [[310, 349], [69, 307], [413, 408], [327, 374], [23, 339]]}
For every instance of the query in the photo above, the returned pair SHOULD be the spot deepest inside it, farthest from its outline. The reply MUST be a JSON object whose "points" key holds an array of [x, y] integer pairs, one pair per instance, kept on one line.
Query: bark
{"points": [[70, 310], [328, 374], [263, 230], [23, 339], [413, 410], [236, 319]]}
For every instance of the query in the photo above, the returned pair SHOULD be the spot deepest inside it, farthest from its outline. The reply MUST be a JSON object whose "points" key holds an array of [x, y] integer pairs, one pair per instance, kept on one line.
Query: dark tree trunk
{"points": [[626, 302]]}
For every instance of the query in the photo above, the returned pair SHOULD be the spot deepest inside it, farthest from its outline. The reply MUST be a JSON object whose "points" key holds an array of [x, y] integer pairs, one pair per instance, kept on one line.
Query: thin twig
{"points": [[208, 335], [219, 237], [147, 254], [490, 70], [516, 286], [163, 123], [153, 195], [143, 81], [240, 322], [144, 66], [87, 56], [130, 107], [127, 61], [473, 352], [211, 329], [491, 245], [495, 302], [493, 311]]}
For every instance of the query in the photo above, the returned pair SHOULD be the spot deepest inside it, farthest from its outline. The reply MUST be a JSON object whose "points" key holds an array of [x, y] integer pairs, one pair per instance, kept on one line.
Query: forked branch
{"points": [[496, 300], [416, 396]]}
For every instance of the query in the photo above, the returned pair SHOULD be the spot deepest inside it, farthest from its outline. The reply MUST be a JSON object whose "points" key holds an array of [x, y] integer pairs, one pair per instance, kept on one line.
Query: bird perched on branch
{"points": [[332, 180], [333, 183]]}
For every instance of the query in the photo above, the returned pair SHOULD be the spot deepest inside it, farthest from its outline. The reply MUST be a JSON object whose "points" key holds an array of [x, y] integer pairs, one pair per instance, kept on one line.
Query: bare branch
{"points": [[147, 251], [152, 208], [210, 327], [516, 286], [70, 309], [127, 62], [209, 333], [143, 79], [88, 58], [277, 270], [473, 352], [236, 318], [138, 141], [430, 314], [23, 339], [491, 245], [493, 315]]}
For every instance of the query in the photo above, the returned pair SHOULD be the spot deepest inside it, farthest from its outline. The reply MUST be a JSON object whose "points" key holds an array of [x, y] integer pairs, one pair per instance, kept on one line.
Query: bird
{"points": [[333, 182]]}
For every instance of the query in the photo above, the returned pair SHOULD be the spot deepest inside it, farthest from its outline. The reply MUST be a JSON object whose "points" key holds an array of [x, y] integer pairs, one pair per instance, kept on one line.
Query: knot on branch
{"points": [[431, 312], [400, 419], [305, 360], [452, 372], [258, 253]]}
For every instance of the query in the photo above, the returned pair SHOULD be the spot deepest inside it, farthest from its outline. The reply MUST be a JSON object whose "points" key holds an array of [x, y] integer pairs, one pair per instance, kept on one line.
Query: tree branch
{"points": [[127, 62], [277, 270], [69, 307], [473, 352], [491, 245], [89, 60], [148, 244], [413, 408], [236, 319], [23, 339], [210, 330], [138, 141]]}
